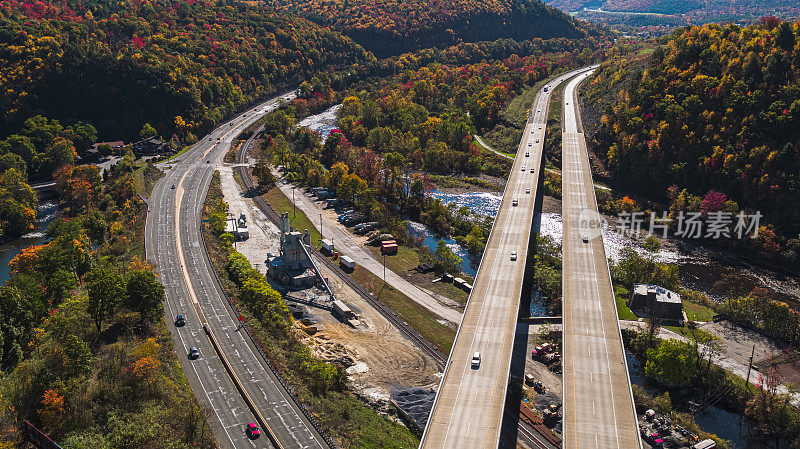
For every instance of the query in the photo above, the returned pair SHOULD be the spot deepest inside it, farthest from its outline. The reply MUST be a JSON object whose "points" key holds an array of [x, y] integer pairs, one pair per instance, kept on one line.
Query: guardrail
{"points": [[242, 392], [287, 388]]}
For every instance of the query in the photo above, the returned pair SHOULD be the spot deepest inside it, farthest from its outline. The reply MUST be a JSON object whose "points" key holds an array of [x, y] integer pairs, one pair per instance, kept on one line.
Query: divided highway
{"points": [[469, 404], [174, 245], [598, 404]]}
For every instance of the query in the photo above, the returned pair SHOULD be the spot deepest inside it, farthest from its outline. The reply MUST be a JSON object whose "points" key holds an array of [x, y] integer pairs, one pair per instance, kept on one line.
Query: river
{"points": [[710, 418], [48, 211], [703, 269], [323, 123]]}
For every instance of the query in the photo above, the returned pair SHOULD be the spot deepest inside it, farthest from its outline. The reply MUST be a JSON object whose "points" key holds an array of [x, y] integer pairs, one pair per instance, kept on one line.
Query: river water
{"points": [[323, 123], [48, 211], [701, 269], [712, 419]]}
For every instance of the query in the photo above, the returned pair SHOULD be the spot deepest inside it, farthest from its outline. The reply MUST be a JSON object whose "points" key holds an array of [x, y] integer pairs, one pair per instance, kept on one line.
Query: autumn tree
{"points": [[144, 294], [106, 288]]}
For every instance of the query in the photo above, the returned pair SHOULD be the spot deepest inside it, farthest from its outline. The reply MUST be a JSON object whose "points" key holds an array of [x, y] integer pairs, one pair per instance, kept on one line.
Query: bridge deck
{"points": [[598, 406], [469, 405]]}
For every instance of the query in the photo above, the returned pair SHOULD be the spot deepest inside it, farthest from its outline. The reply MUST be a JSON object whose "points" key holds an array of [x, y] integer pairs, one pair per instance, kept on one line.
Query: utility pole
{"points": [[750, 367], [294, 206], [384, 268]]}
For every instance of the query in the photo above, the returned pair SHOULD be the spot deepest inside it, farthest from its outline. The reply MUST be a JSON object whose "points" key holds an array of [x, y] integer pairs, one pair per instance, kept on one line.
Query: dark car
{"points": [[193, 353], [173, 186], [180, 320]]}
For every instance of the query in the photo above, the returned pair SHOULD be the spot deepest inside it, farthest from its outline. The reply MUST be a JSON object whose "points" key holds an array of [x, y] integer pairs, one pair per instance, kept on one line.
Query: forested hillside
{"points": [[711, 108], [390, 27], [121, 66]]}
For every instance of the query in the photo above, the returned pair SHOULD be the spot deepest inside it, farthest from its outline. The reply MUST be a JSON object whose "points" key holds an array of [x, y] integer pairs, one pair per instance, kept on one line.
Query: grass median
{"points": [[420, 318]]}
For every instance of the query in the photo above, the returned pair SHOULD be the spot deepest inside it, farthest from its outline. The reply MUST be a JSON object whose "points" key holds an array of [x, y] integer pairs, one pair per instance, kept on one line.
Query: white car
{"points": [[514, 202], [513, 255], [527, 190], [476, 360], [585, 238], [530, 144], [527, 154], [523, 168]]}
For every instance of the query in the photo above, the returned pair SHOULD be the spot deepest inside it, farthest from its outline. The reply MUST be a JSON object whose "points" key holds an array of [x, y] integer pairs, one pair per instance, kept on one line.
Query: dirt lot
{"points": [[382, 358], [540, 372]]}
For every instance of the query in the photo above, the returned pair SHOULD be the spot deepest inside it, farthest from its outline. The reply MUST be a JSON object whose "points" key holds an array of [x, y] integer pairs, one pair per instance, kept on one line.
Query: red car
{"points": [[252, 430]]}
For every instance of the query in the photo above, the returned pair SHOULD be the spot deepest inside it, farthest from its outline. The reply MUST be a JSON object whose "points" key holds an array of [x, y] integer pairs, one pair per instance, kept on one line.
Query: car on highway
{"points": [[231, 124], [173, 186], [513, 255], [194, 353], [523, 168], [476, 360], [252, 431], [208, 162], [530, 144], [531, 169], [209, 139], [585, 238], [527, 190], [537, 140], [514, 202], [180, 320], [527, 154]]}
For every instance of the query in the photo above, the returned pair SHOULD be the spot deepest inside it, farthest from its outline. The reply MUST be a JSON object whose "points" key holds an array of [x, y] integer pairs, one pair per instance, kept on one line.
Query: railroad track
{"points": [[539, 440], [386, 312], [534, 437]]}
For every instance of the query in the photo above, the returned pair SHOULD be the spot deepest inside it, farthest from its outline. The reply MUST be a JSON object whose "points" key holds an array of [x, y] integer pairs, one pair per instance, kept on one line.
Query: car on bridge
{"points": [[194, 353], [513, 255], [180, 321], [514, 202], [476, 360]]}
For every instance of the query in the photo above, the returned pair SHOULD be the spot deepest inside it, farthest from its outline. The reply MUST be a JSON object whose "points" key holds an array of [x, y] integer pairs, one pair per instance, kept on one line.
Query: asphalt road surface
{"points": [[598, 405], [173, 244], [469, 404]]}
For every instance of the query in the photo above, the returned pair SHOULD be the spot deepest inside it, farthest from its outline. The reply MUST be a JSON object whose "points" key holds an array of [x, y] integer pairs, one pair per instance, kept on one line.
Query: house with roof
{"points": [[653, 301], [150, 147]]}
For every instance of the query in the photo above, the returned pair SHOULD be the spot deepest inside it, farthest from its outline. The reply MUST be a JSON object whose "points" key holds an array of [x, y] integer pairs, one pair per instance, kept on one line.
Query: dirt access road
{"points": [[390, 359]]}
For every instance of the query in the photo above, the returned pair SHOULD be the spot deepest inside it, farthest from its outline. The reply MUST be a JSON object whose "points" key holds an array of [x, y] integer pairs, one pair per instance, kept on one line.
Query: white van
{"points": [[476, 360]]}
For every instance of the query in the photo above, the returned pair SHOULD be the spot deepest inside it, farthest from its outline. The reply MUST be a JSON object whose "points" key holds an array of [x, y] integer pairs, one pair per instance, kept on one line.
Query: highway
{"points": [[598, 404], [174, 245], [470, 402]]}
